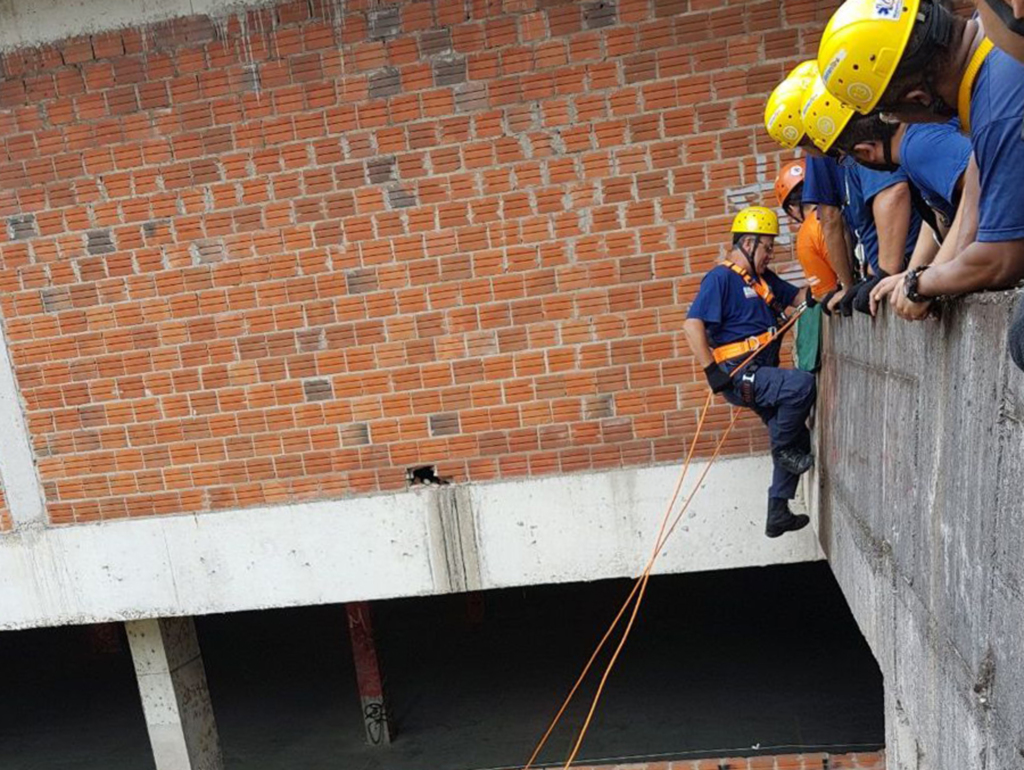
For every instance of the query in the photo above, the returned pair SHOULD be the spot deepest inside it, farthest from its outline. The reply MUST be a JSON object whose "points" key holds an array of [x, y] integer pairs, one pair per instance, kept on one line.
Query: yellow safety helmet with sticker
{"points": [[756, 220], [824, 116], [782, 111], [862, 46]]}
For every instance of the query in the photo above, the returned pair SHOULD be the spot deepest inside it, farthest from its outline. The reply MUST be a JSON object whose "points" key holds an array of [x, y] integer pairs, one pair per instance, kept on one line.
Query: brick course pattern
{"points": [[288, 254], [6, 522], [859, 761]]}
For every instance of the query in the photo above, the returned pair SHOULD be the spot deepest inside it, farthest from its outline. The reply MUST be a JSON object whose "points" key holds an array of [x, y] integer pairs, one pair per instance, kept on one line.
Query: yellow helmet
{"points": [[861, 47], [756, 220], [782, 111], [824, 116]]}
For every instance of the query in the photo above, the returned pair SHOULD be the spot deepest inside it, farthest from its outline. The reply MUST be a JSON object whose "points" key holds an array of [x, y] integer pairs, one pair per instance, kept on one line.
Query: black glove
{"points": [[810, 301], [862, 302], [828, 298], [718, 378], [846, 303]]}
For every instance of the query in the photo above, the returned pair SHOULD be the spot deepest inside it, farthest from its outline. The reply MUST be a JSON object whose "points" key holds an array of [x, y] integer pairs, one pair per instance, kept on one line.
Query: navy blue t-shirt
{"points": [[997, 110], [823, 181], [935, 156], [862, 185], [732, 311]]}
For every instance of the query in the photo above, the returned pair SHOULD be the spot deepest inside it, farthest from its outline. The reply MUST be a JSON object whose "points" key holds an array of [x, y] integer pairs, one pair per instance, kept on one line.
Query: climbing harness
{"points": [[764, 291], [756, 342], [747, 387], [640, 584], [751, 344]]}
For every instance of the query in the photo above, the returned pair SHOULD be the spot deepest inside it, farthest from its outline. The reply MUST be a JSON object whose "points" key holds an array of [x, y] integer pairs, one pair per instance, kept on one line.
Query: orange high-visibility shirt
{"points": [[812, 254]]}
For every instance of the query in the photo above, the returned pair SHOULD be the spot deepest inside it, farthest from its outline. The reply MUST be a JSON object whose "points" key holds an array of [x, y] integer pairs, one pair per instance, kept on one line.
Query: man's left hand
{"points": [[884, 288], [907, 310]]}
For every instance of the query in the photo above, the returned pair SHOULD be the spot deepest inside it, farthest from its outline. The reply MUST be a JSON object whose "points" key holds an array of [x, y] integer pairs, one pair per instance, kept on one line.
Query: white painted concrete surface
{"points": [[31, 22], [17, 465], [569, 528]]}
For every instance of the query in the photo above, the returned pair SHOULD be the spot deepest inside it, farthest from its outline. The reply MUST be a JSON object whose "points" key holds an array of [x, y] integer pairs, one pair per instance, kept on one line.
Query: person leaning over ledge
{"points": [[916, 61], [738, 306], [1003, 21]]}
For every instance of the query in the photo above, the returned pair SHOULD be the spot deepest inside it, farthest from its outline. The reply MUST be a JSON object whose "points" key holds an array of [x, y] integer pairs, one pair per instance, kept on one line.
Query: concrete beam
{"points": [[587, 526], [31, 22], [175, 697]]}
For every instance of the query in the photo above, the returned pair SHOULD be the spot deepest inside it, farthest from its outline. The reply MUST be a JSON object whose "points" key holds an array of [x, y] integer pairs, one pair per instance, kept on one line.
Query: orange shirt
{"points": [[812, 254]]}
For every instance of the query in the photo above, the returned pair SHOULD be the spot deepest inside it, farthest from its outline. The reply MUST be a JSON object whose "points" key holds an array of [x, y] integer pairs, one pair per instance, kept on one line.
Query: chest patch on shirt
{"points": [[749, 293]]}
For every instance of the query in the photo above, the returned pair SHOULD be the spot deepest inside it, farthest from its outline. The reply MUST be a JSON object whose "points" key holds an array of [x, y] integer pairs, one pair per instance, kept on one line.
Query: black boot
{"points": [[781, 519], [793, 460]]}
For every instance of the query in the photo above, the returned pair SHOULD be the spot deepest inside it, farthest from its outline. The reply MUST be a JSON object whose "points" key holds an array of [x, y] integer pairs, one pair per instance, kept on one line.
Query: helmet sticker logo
{"points": [[860, 93], [826, 126], [790, 134], [890, 10], [836, 61], [796, 171]]}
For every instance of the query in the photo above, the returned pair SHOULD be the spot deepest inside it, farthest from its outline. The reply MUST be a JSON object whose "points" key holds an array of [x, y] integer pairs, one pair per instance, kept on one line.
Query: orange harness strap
{"points": [[764, 291], [741, 347]]}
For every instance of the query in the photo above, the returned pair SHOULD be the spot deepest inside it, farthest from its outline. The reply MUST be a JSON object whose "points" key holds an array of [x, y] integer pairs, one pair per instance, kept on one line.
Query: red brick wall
{"points": [[6, 522], [861, 761], [287, 256]]}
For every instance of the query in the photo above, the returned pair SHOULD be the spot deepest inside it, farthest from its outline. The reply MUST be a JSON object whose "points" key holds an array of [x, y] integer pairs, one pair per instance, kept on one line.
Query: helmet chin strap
{"points": [[888, 130], [749, 256]]}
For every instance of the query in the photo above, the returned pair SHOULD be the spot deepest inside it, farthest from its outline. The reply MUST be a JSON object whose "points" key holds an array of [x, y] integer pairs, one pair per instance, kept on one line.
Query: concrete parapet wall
{"points": [[922, 457]]}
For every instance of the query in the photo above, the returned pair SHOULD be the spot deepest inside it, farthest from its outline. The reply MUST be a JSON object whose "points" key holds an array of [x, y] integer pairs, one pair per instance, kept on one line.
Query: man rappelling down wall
{"points": [[736, 312]]}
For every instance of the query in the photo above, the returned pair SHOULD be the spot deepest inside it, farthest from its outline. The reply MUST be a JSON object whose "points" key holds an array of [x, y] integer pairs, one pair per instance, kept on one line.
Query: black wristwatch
{"points": [[910, 285]]}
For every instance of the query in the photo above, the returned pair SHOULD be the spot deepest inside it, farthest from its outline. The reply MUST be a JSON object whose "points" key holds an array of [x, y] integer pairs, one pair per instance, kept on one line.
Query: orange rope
{"points": [[639, 601], [636, 586], [641, 582]]}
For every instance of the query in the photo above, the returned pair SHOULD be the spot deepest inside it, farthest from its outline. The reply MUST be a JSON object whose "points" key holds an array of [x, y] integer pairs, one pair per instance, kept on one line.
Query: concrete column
{"points": [[17, 460], [376, 719], [175, 698]]}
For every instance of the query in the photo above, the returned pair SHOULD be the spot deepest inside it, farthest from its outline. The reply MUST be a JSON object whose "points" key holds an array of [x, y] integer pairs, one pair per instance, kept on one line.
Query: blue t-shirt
{"points": [[732, 311], [862, 185], [997, 110], [935, 156], [823, 181]]}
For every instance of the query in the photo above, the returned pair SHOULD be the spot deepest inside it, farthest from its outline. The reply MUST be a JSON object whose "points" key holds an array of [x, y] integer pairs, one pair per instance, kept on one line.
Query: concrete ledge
{"points": [[31, 22], [922, 456], [426, 541]]}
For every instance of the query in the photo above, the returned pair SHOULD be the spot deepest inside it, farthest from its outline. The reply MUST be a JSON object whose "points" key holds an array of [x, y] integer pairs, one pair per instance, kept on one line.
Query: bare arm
{"points": [[978, 267], [961, 234], [970, 265], [926, 247], [892, 209], [697, 338], [967, 214], [834, 228]]}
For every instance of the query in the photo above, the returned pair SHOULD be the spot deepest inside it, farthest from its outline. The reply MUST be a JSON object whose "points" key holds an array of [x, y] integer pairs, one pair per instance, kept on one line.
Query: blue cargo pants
{"points": [[782, 399]]}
